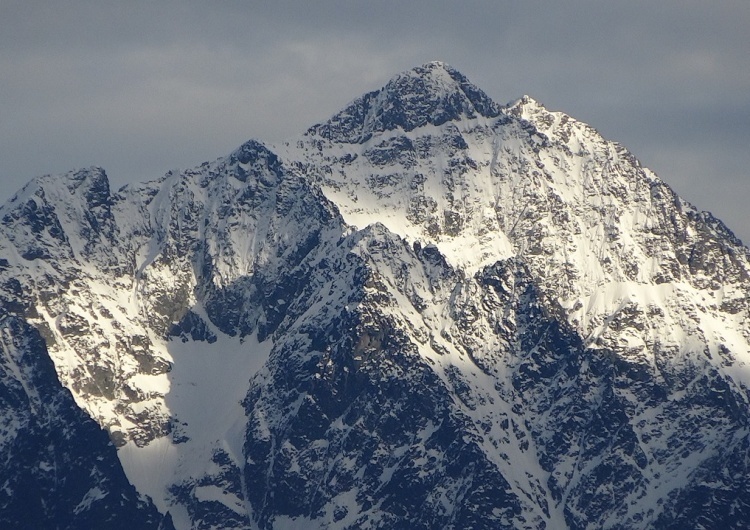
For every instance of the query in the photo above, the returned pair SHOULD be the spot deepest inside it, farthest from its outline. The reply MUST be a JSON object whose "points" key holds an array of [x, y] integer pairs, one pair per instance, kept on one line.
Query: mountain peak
{"points": [[433, 93], [526, 107], [528, 101], [435, 74], [415, 297]]}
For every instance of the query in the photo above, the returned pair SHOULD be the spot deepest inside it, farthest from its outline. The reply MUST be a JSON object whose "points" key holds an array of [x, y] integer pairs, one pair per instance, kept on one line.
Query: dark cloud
{"points": [[144, 86]]}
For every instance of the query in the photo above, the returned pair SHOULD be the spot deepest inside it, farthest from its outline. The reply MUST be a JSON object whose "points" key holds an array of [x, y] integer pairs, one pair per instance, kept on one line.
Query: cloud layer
{"points": [[143, 87]]}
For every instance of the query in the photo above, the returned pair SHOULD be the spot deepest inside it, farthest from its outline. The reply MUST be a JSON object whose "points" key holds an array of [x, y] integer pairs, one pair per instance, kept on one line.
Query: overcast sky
{"points": [[142, 87]]}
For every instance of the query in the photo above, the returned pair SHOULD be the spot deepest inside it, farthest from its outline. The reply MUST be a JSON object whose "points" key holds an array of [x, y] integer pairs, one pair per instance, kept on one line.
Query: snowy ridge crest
{"points": [[433, 93], [430, 311]]}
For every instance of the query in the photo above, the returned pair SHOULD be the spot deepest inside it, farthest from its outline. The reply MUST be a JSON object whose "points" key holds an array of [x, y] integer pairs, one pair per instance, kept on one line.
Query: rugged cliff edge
{"points": [[430, 311]]}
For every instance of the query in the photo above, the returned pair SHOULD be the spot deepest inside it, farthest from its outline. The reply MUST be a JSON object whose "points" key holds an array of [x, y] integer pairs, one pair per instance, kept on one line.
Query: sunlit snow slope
{"points": [[430, 311]]}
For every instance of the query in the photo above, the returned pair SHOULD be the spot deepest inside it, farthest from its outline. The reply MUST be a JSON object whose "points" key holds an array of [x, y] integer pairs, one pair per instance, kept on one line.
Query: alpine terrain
{"points": [[431, 311]]}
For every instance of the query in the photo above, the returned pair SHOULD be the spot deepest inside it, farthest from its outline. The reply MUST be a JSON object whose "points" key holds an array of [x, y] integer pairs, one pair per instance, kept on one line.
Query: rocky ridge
{"points": [[431, 311]]}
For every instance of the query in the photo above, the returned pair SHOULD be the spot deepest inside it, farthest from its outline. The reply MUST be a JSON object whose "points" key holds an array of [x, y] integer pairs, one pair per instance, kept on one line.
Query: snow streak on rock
{"points": [[430, 311]]}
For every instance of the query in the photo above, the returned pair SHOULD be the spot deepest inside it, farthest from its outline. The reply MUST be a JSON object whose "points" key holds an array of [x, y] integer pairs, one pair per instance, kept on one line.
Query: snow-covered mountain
{"points": [[430, 311]]}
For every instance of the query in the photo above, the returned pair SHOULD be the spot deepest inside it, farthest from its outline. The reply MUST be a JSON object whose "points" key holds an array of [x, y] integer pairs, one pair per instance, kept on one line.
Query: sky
{"points": [[146, 86]]}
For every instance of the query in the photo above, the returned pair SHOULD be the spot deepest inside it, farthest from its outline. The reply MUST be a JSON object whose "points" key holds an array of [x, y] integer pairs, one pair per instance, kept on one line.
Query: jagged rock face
{"points": [[432, 94], [59, 468], [431, 311]]}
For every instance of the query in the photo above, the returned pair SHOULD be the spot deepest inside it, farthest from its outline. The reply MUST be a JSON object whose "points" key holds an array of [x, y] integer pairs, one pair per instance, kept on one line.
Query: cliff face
{"points": [[431, 311], [58, 464]]}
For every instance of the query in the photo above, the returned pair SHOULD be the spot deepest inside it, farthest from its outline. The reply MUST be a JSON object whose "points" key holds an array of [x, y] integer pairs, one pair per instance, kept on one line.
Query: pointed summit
{"points": [[526, 101], [433, 93], [527, 108]]}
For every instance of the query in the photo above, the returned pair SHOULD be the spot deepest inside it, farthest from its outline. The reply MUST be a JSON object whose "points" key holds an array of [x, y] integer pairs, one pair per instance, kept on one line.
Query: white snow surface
{"points": [[204, 395], [591, 224], [578, 209]]}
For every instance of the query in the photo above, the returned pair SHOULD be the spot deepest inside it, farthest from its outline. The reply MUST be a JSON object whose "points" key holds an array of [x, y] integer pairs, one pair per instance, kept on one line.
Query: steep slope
{"points": [[430, 311], [59, 468], [650, 293], [122, 286]]}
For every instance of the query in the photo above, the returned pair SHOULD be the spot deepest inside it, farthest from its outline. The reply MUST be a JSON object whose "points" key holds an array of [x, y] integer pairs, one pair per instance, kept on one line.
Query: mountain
{"points": [[58, 464], [430, 311]]}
